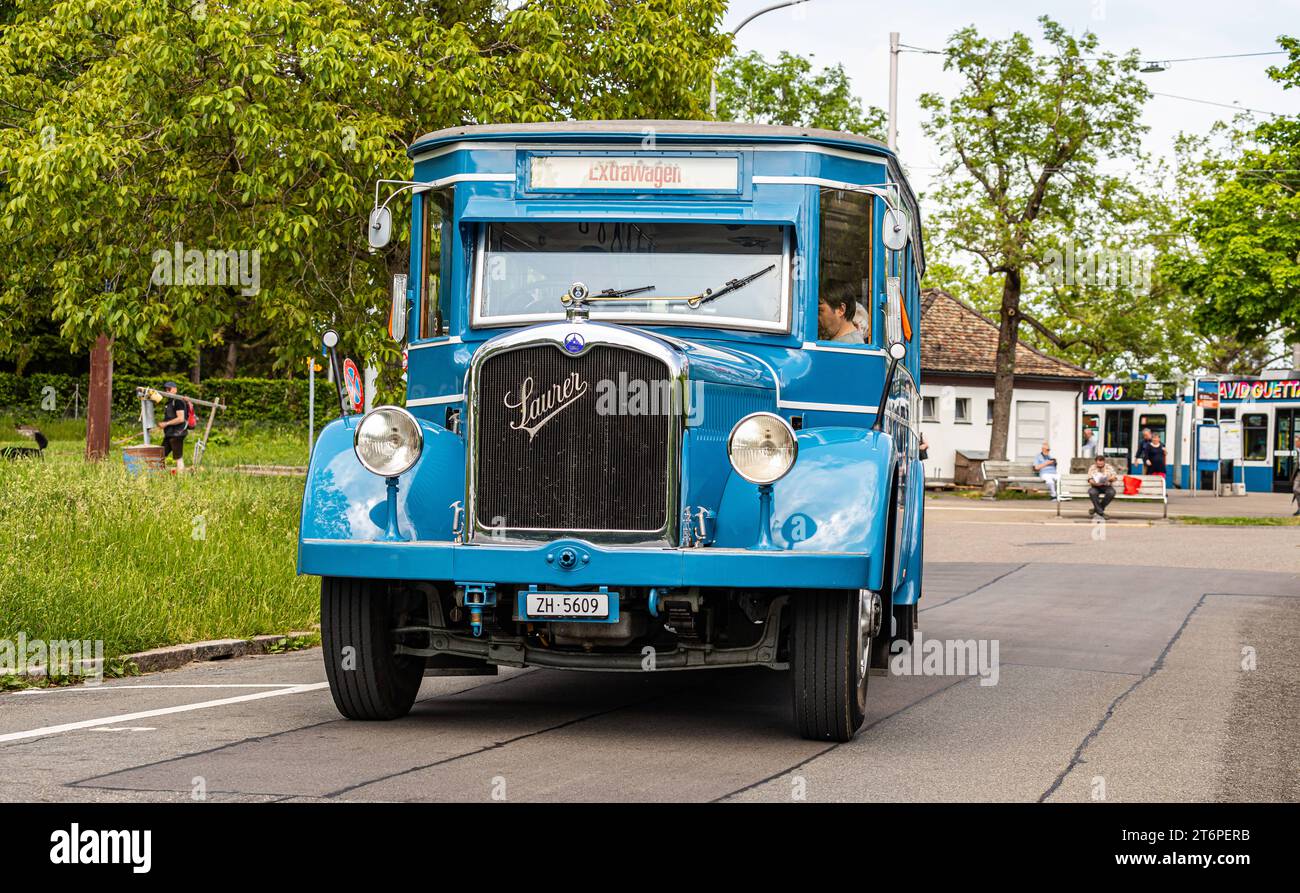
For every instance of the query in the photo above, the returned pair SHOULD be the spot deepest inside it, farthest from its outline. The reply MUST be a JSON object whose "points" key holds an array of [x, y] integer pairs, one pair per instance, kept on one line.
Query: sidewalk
{"points": [[1181, 504]]}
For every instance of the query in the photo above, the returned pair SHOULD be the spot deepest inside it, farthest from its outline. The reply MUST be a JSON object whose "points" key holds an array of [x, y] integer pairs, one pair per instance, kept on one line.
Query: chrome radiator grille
{"points": [[552, 454]]}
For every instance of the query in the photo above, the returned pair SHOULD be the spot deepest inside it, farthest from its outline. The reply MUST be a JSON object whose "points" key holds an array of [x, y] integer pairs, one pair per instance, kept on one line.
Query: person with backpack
{"points": [[175, 425]]}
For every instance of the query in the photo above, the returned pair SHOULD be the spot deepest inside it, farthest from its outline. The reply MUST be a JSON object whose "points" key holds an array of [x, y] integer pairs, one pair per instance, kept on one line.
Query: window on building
{"points": [[961, 411], [844, 267], [929, 409], [989, 416], [1254, 434]]}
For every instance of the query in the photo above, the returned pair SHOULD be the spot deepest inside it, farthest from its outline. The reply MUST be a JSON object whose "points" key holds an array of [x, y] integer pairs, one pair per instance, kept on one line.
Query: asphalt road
{"points": [[1117, 679]]}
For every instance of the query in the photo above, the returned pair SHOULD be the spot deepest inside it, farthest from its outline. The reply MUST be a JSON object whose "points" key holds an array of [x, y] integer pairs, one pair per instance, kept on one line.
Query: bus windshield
{"points": [[524, 267]]}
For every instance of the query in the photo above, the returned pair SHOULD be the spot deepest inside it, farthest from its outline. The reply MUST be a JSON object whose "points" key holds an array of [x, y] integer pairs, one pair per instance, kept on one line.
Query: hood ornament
{"points": [[575, 299]]}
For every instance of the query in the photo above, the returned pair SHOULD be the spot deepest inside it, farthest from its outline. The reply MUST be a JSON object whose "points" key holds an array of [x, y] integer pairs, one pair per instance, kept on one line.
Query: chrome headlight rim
{"points": [[790, 432], [418, 448]]}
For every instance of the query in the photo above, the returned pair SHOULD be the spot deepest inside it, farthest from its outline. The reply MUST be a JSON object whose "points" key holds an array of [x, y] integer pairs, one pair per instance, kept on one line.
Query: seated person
{"points": [[1047, 469], [1101, 489], [835, 311]]}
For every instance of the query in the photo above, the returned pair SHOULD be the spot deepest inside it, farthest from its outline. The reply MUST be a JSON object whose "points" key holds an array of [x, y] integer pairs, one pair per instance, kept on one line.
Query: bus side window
{"points": [[844, 264], [436, 214]]}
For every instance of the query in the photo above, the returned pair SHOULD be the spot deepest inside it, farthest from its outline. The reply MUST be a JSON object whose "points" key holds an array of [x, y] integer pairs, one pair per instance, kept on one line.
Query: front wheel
{"points": [[367, 678], [830, 655]]}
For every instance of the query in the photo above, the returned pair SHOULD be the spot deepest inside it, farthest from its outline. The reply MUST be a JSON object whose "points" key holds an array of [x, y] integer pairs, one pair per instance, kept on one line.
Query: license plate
{"points": [[592, 607]]}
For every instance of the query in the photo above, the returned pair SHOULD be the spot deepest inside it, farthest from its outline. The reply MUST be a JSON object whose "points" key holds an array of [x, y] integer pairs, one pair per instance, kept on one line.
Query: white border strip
{"points": [[864, 155], [435, 401]]}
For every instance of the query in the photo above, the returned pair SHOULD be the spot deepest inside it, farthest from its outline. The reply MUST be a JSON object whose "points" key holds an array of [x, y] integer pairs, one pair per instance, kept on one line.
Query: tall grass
{"points": [[88, 551]]}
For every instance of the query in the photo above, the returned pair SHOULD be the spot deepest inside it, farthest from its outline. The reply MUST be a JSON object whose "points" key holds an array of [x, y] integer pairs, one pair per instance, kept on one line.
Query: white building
{"points": [[958, 349]]}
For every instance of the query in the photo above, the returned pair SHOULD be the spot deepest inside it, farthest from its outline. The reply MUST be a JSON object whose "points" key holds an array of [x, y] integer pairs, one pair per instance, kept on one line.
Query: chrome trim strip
{"points": [[828, 407], [863, 352], [594, 333], [435, 401], [435, 342]]}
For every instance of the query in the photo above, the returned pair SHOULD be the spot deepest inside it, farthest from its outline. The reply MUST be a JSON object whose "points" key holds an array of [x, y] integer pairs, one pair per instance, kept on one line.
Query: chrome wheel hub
{"points": [[869, 616]]}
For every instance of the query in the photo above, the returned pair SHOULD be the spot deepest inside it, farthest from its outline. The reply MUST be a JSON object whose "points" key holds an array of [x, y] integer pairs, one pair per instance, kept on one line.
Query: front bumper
{"points": [[623, 566]]}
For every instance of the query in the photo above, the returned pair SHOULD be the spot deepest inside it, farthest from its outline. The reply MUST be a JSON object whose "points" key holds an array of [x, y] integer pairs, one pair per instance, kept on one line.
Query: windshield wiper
{"points": [[624, 292], [732, 285]]}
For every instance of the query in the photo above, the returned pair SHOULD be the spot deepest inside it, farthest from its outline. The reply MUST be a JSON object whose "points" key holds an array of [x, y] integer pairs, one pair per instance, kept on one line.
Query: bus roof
{"points": [[667, 131]]}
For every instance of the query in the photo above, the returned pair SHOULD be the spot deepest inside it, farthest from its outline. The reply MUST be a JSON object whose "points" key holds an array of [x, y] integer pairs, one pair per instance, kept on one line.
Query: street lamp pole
{"points": [[713, 77], [893, 91]]}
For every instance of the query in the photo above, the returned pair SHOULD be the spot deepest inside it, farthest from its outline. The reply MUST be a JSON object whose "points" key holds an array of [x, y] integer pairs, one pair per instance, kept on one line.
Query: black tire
{"points": [[370, 681], [829, 661]]}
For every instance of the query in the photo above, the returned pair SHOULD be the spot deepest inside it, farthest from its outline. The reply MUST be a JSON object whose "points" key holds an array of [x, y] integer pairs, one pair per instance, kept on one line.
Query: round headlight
{"points": [[762, 448], [388, 441]]}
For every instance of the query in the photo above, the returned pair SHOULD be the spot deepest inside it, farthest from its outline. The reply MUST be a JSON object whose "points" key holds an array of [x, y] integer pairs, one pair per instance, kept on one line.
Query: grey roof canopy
{"points": [[637, 128]]}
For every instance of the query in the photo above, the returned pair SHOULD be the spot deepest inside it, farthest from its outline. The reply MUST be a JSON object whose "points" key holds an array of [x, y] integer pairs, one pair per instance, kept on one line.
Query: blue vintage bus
{"points": [[661, 414]]}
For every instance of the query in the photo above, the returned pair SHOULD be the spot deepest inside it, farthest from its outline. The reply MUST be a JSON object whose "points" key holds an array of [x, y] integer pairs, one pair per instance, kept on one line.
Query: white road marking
{"points": [[125, 729], [93, 688], [162, 711]]}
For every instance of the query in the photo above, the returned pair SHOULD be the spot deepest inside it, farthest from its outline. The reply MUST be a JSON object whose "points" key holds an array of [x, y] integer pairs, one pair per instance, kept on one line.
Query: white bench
{"points": [[1075, 486], [1006, 472]]}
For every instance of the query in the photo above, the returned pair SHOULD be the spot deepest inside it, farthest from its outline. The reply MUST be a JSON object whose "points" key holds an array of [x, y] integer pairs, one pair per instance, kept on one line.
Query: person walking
{"points": [[1295, 475], [175, 425], [1089, 448], [1156, 457], [1143, 455]]}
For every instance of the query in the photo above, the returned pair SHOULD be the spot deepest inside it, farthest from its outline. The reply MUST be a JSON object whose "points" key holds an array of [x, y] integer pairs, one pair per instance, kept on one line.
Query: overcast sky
{"points": [[855, 33]]}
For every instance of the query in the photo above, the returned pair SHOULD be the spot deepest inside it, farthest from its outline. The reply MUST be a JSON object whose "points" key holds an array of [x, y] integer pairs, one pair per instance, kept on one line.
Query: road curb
{"points": [[171, 657]]}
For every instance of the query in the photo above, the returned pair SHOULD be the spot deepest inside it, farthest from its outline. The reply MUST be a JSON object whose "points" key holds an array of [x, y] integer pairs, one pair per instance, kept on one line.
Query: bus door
{"points": [[1287, 422], [1117, 438]]}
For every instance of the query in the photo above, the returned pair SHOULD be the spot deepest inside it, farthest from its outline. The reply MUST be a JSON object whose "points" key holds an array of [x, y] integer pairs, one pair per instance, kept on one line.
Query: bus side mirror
{"points": [[895, 230], [380, 230], [897, 351], [397, 313]]}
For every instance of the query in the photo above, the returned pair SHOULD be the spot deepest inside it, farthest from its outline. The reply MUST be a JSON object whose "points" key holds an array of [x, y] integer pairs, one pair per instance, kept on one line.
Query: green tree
{"points": [[788, 91], [130, 127], [1024, 139], [1243, 259]]}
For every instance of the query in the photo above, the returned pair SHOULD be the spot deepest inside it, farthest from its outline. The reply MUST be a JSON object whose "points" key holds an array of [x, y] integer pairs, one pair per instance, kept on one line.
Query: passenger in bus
{"points": [[1155, 457], [1047, 469], [1101, 486], [835, 311]]}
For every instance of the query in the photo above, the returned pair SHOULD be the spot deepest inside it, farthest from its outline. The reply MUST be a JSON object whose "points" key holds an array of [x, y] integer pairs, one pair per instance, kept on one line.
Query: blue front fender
{"points": [[835, 499], [343, 501]]}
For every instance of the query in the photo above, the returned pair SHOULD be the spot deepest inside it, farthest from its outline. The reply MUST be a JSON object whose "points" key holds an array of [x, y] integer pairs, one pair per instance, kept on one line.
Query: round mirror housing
{"points": [[380, 231], [897, 350], [330, 338], [895, 231]]}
